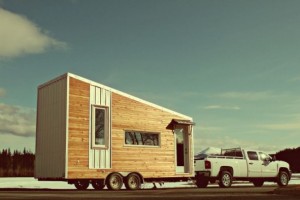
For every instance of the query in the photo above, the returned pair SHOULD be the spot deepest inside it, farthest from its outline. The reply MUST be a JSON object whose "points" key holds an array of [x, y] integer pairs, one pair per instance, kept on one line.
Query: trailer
{"points": [[89, 133]]}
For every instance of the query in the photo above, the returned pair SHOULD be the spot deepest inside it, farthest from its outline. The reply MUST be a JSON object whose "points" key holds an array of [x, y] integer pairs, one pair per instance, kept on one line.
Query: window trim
{"points": [[106, 127], [143, 146]]}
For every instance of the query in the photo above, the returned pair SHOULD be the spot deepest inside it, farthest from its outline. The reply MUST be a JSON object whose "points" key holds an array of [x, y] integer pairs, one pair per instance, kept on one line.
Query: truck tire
{"points": [[225, 179], [258, 183], [98, 184], [114, 181], [81, 184], [283, 179], [133, 182], [201, 182]]}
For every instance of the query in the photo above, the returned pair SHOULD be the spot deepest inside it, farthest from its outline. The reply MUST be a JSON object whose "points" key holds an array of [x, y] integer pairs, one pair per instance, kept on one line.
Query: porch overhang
{"points": [[174, 122]]}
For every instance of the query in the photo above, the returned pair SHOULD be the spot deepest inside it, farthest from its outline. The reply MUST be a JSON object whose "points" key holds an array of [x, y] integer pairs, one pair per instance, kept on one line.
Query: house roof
{"points": [[117, 92]]}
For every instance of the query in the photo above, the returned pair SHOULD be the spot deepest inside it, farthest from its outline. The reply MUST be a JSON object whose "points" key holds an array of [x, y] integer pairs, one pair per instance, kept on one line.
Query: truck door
{"points": [[269, 169], [254, 164]]}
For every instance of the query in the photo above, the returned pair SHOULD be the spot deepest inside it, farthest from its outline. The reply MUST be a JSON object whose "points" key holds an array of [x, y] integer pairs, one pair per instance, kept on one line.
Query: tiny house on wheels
{"points": [[88, 133]]}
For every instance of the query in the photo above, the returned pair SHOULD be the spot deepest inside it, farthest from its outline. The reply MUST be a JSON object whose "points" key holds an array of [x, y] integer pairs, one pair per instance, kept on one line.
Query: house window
{"points": [[100, 127], [141, 138]]}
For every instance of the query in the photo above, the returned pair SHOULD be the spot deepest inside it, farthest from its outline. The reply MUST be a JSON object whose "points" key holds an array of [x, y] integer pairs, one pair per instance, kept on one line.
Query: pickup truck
{"points": [[240, 165]]}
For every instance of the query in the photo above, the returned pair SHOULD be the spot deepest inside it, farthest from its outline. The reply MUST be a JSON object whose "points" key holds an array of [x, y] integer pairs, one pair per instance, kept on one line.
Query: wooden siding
{"points": [[126, 114], [129, 114], [78, 136]]}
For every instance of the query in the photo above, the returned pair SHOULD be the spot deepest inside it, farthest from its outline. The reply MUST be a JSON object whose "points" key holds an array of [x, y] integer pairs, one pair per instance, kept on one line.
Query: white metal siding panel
{"points": [[50, 159], [99, 158]]}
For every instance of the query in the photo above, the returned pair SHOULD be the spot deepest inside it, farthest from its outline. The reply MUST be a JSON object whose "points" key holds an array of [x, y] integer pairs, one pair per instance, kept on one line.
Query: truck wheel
{"points": [[133, 182], [114, 181], [258, 183], [81, 184], [225, 179], [98, 184], [283, 179], [201, 182]]}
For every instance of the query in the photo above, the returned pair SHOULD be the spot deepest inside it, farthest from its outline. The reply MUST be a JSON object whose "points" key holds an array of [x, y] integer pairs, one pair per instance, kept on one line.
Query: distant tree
{"points": [[16, 163], [291, 156]]}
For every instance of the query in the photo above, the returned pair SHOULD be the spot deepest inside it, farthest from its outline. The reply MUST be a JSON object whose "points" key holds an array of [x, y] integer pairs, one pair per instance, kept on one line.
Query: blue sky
{"points": [[232, 65]]}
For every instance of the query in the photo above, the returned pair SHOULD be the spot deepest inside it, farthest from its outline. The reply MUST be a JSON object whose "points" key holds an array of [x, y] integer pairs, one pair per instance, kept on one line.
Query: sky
{"points": [[232, 65]]}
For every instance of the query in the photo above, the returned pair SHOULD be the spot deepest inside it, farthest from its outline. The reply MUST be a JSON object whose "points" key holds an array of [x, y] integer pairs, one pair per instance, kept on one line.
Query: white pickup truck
{"points": [[241, 165]]}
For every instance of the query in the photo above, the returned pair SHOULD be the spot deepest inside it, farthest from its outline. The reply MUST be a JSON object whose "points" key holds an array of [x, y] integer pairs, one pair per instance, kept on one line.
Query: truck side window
{"points": [[252, 155], [264, 157]]}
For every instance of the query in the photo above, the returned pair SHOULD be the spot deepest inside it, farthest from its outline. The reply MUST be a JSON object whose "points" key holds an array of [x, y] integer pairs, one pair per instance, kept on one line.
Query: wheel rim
{"points": [[133, 182], [284, 179], [226, 180], [115, 182]]}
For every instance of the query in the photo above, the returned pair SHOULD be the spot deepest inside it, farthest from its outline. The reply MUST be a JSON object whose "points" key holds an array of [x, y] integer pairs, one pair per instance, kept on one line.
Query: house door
{"points": [[182, 150]]}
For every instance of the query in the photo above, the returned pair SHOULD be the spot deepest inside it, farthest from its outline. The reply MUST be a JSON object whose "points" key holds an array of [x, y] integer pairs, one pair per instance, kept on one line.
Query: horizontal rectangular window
{"points": [[141, 138]]}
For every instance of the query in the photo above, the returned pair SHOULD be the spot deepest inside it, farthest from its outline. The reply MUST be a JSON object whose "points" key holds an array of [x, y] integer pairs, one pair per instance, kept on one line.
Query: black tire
{"points": [[225, 179], [81, 184], [114, 181], [98, 184], [133, 182], [283, 179], [258, 183], [201, 182]]}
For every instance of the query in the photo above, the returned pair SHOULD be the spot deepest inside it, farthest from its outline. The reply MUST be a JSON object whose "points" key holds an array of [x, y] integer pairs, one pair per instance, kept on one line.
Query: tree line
{"points": [[21, 163], [291, 156], [16, 163]]}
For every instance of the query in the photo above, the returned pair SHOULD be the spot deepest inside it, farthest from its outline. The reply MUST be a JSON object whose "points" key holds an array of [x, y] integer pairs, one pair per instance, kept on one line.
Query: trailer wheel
{"points": [[98, 184], [225, 179], [133, 182], [81, 184], [114, 181], [283, 179]]}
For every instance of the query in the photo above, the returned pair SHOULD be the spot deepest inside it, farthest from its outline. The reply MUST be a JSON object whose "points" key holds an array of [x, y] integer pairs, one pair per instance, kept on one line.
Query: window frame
{"points": [[106, 127], [141, 145]]}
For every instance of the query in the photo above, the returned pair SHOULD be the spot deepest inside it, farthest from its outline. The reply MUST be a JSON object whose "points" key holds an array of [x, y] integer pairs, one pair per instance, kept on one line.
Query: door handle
{"points": [[251, 163]]}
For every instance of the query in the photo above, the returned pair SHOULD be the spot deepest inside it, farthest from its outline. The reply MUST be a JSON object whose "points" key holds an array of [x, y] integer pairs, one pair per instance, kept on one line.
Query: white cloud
{"points": [[251, 96], [220, 107], [19, 36], [2, 92], [17, 120]]}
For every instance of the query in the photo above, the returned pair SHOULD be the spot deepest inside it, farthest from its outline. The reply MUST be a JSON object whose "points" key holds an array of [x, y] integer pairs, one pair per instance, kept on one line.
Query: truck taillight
{"points": [[207, 164]]}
